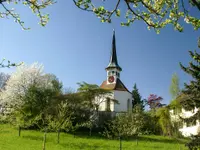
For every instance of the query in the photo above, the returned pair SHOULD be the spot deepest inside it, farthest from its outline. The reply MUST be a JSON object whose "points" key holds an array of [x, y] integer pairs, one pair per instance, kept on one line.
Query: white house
{"points": [[189, 128], [113, 83]]}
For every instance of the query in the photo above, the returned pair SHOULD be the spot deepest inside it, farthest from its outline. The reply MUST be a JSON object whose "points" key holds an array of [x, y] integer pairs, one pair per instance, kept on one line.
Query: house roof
{"points": [[118, 86], [113, 58]]}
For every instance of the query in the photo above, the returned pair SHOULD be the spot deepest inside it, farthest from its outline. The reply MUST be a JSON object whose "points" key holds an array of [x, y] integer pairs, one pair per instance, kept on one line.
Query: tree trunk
{"points": [[44, 142], [120, 143], [90, 131], [19, 133], [58, 136]]}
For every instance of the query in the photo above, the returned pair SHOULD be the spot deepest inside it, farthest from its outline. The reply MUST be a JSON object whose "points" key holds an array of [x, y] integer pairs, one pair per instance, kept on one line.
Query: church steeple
{"points": [[113, 58], [113, 69]]}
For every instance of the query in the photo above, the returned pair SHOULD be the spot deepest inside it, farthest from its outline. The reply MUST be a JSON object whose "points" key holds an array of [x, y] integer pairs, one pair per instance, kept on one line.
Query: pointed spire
{"points": [[113, 58]]}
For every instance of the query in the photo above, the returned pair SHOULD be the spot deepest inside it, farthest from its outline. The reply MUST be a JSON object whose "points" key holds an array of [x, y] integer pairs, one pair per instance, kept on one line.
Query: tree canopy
{"points": [[155, 14], [137, 98], [174, 87], [190, 94]]}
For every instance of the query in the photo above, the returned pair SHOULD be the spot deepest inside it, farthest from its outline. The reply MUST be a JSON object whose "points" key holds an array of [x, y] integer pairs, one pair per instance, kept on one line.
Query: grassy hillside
{"points": [[33, 140]]}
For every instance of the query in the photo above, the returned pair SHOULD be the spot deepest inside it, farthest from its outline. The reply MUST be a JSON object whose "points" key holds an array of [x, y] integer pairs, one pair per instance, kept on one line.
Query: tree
{"points": [[165, 121], [36, 7], [125, 125], [155, 14], [174, 87], [28, 94], [154, 101], [190, 94], [94, 94], [3, 79], [137, 99]]}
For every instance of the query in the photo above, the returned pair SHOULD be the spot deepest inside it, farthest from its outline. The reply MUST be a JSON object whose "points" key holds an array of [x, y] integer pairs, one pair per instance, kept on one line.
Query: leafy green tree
{"points": [[93, 96], [165, 121], [174, 87], [137, 98], [125, 125], [155, 14]]}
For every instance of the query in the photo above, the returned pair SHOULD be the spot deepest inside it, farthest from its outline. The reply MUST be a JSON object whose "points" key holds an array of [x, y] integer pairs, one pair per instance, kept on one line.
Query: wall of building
{"points": [[103, 102], [122, 97]]}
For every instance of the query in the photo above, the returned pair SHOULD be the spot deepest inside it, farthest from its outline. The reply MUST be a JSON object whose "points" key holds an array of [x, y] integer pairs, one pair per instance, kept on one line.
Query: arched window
{"points": [[108, 104], [128, 105]]}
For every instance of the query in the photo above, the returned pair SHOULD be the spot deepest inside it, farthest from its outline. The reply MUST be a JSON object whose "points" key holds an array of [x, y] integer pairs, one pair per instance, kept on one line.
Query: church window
{"points": [[113, 72], [108, 104], [109, 73], [128, 104]]}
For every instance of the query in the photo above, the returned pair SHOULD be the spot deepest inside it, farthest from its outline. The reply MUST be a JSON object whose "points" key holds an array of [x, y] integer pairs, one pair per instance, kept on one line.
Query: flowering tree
{"points": [[28, 93], [154, 101], [3, 79]]}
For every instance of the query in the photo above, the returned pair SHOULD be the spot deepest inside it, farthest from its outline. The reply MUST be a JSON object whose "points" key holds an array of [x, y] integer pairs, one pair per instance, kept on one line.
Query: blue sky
{"points": [[75, 46]]}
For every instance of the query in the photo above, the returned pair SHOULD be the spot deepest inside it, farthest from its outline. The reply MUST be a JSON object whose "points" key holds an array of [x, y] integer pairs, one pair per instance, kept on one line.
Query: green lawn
{"points": [[33, 140]]}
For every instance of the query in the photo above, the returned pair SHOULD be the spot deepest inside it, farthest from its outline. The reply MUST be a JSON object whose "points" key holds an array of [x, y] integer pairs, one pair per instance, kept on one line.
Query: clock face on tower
{"points": [[111, 79]]}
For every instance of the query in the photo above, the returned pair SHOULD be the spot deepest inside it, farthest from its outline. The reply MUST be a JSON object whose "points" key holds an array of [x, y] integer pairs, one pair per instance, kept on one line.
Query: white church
{"points": [[113, 83]]}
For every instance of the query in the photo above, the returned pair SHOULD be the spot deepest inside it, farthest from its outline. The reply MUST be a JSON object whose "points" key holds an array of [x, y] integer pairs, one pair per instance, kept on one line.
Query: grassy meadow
{"points": [[33, 140]]}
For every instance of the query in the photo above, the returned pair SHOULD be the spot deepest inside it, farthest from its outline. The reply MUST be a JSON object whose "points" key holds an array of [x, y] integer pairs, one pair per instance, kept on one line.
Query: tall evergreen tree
{"points": [[137, 98], [191, 95]]}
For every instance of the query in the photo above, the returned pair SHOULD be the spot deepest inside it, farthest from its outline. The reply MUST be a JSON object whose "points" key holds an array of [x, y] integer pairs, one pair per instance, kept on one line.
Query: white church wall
{"points": [[103, 103], [122, 97]]}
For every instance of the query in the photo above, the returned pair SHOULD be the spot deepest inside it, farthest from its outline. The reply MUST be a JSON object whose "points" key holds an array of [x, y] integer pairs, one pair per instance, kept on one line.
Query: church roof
{"points": [[118, 86], [113, 58]]}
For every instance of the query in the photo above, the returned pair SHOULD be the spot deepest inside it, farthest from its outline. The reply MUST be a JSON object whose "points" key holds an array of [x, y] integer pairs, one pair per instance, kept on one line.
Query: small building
{"points": [[113, 83]]}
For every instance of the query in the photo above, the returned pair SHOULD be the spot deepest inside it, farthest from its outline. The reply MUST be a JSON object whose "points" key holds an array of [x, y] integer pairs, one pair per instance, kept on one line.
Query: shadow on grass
{"points": [[35, 138], [85, 146], [161, 140], [140, 138], [86, 135]]}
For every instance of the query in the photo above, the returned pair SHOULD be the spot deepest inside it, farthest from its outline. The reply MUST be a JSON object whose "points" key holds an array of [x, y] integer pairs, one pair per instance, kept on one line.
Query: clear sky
{"points": [[75, 46]]}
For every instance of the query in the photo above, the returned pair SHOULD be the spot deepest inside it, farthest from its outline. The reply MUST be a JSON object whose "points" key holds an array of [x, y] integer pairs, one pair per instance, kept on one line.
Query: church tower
{"points": [[113, 69], [113, 83]]}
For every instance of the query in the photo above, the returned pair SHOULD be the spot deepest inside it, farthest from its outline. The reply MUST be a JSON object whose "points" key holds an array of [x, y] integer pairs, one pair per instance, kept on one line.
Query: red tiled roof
{"points": [[118, 86]]}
